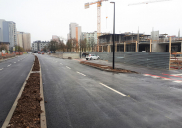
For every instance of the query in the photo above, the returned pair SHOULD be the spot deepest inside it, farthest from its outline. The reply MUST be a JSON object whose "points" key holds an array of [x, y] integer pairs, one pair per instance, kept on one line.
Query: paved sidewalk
{"points": [[136, 68]]}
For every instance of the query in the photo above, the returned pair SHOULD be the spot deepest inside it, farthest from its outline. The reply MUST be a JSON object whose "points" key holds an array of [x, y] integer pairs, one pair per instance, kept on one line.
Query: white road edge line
{"points": [[68, 67], [1, 69], [113, 89], [81, 73], [61, 63]]}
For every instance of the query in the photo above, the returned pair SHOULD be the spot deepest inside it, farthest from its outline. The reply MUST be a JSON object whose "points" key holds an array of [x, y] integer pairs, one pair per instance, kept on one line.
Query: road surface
{"points": [[79, 96], [13, 73]]}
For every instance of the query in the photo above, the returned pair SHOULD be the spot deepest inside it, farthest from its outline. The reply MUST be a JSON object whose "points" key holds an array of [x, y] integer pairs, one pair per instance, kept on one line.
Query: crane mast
{"points": [[99, 3]]}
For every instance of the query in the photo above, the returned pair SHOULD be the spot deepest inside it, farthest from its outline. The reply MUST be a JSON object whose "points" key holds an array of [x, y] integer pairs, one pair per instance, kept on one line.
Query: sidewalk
{"points": [[139, 69]]}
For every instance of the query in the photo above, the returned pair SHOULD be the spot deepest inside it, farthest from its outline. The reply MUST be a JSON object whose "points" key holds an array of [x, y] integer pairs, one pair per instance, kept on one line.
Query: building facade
{"points": [[24, 40], [139, 42], [39, 45], [8, 33], [74, 31]]}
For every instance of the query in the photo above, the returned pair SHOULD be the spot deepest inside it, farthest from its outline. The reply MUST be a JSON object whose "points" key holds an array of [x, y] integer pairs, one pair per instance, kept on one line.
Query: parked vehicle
{"points": [[39, 52], [92, 57]]}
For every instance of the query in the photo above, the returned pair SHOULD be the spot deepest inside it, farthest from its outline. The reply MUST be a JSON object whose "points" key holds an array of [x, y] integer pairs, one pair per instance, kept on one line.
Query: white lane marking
{"points": [[1, 69], [18, 60], [14, 62], [113, 89], [178, 81], [9, 65], [68, 67], [56, 61], [61, 63], [81, 73]]}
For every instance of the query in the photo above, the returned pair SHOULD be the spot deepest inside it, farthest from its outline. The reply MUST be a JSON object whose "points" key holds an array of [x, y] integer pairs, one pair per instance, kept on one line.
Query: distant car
{"points": [[92, 57], [39, 52]]}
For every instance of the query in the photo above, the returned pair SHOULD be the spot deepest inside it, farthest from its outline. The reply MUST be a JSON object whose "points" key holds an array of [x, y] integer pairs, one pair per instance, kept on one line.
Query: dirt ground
{"points": [[28, 110], [107, 68], [36, 66]]}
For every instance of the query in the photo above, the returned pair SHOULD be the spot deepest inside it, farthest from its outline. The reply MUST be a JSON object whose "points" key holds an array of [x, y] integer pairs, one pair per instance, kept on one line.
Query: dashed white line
{"points": [[81, 73], [9, 65], [14, 62], [1, 69], [113, 89], [61, 63], [18, 60], [68, 67]]}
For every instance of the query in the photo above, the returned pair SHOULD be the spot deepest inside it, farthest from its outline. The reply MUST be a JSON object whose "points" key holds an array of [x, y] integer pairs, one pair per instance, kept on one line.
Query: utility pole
{"points": [[113, 35]]}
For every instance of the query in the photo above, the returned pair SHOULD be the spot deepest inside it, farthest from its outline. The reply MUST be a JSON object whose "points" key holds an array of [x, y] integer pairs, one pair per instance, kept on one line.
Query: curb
{"points": [[10, 114], [109, 70], [43, 122]]}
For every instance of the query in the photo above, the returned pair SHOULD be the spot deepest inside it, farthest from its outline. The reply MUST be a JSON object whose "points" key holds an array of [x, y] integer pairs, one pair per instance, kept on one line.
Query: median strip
{"points": [[81, 73], [28, 109], [113, 89]]}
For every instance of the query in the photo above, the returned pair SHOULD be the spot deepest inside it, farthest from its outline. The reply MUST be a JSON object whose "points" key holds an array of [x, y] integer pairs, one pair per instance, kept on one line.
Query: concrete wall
{"points": [[72, 55], [65, 55]]}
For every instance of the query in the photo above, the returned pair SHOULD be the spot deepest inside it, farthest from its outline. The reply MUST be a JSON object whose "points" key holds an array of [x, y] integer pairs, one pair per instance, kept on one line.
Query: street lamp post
{"points": [[113, 35]]}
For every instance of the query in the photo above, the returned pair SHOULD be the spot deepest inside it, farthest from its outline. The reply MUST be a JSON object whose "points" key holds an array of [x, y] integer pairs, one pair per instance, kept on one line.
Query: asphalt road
{"points": [[79, 96], [13, 73]]}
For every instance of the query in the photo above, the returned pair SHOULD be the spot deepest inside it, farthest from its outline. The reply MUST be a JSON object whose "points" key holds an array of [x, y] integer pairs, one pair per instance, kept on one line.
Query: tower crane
{"points": [[148, 2], [99, 4]]}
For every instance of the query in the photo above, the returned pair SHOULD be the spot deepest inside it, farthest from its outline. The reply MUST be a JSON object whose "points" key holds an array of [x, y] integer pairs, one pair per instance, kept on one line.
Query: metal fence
{"points": [[154, 59]]}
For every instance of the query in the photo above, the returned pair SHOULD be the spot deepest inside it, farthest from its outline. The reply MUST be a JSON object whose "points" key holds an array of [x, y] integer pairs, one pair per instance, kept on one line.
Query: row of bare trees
{"points": [[72, 45]]}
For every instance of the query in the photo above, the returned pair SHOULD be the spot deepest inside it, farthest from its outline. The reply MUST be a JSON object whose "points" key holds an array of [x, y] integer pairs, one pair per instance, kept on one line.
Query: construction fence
{"points": [[147, 59]]}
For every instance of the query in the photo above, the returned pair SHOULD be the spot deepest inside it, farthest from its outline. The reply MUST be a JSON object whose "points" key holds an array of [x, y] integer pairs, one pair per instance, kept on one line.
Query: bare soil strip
{"points": [[107, 68], [28, 110]]}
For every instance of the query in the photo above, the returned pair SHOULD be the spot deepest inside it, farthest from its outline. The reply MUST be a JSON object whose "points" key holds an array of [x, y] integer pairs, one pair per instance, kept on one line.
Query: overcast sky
{"points": [[44, 18]]}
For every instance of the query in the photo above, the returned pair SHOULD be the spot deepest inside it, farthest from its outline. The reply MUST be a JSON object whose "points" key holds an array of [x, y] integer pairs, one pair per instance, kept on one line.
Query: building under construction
{"points": [[139, 42]]}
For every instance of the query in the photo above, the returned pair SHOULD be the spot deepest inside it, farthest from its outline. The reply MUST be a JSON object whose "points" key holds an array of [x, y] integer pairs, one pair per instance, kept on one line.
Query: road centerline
{"points": [[113, 89]]}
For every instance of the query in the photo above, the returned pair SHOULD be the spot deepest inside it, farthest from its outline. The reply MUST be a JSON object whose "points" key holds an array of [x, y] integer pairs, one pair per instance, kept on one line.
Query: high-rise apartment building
{"points": [[24, 40], [39, 45], [8, 33], [74, 31]]}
